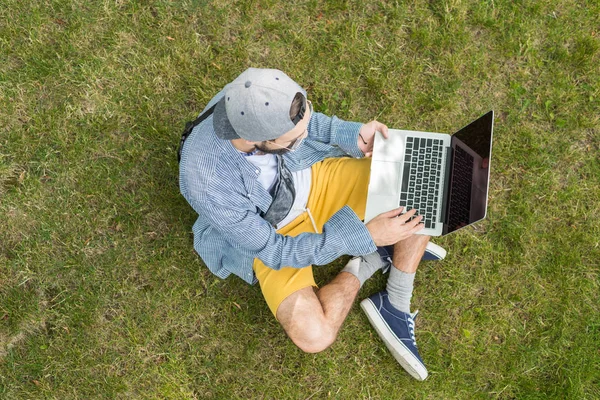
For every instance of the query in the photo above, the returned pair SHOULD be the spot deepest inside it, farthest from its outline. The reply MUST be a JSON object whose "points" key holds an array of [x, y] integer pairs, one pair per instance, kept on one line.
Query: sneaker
{"points": [[385, 253], [397, 330], [433, 252]]}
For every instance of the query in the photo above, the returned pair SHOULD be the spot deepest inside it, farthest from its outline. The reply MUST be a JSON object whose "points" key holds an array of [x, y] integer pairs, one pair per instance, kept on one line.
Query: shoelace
{"points": [[411, 331]]}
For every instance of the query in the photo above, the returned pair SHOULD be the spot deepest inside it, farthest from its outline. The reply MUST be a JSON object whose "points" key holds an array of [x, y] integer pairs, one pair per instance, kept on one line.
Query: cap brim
{"points": [[221, 124]]}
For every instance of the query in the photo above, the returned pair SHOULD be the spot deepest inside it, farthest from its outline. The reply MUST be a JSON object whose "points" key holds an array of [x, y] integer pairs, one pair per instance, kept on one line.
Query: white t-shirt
{"points": [[267, 163]]}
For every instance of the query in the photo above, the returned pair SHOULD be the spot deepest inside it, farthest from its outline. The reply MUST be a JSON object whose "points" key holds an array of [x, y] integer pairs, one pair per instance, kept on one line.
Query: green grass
{"points": [[101, 294]]}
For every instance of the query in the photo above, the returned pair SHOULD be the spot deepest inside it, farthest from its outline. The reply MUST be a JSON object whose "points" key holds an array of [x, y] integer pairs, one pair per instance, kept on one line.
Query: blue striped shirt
{"points": [[222, 187]]}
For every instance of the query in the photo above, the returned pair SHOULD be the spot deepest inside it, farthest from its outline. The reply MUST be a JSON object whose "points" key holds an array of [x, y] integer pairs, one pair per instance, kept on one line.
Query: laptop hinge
{"points": [[447, 177]]}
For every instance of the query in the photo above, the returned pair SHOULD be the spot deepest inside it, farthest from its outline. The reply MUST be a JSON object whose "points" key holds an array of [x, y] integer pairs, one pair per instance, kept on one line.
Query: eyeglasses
{"points": [[296, 142]]}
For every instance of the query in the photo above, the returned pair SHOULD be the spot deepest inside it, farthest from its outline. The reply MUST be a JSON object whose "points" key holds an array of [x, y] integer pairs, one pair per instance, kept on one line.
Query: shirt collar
{"points": [[228, 150]]}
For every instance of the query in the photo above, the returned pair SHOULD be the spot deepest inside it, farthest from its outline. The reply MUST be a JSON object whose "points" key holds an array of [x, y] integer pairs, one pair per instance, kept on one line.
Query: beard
{"points": [[262, 146]]}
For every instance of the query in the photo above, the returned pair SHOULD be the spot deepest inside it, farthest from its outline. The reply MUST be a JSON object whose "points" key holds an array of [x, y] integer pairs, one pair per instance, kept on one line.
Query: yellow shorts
{"points": [[336, 182]]}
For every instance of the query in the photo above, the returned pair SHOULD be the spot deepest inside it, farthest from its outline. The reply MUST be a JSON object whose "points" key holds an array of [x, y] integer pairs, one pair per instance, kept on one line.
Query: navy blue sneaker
{"points": [[386, 252], [433, 252], [397, 330]]}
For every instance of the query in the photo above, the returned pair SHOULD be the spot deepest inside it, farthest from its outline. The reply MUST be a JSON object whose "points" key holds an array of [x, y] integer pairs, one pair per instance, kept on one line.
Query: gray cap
{"points": [[256, 106]]}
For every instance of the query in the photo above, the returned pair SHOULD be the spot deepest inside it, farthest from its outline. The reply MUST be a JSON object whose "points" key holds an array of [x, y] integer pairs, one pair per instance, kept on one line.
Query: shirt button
{"points": [[257, 171]]}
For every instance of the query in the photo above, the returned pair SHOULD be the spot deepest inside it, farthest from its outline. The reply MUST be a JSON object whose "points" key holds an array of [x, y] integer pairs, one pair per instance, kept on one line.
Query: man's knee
{"points": [[301, 316], [312, 336]]}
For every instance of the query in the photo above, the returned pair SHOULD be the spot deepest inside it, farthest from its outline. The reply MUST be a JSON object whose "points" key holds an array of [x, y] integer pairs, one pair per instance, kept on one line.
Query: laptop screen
{"points": [[469, 174]]}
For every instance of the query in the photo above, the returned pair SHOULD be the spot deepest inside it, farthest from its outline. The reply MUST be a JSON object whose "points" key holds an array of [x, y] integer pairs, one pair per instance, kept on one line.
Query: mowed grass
{"points": [[101, 294]]}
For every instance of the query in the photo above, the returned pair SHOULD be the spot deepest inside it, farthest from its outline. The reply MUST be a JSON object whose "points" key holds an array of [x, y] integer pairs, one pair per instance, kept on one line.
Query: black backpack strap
{"points": [[189, 126]]}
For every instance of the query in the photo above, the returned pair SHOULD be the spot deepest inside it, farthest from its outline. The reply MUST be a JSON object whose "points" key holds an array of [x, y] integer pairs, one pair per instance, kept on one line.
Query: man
{"points": [[274, 194]]}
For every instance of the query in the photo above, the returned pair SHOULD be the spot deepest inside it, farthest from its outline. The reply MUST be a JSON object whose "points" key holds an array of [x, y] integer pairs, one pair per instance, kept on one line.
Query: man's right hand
{"points": [[390, 227]]}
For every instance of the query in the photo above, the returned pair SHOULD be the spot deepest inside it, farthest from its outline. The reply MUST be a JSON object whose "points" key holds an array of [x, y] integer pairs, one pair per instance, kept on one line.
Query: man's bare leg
{"points": [[408, 253], [312, 318]]}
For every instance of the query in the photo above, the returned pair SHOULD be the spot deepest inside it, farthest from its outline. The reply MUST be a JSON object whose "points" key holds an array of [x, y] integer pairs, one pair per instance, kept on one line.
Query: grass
{"points": [[101, 294]]}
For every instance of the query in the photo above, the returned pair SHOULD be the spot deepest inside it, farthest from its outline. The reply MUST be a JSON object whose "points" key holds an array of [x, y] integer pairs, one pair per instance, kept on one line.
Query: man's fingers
{"points": [[405, 217], [379, 127], [411, 224], [393, 213], [417, 228], [383, 129]]}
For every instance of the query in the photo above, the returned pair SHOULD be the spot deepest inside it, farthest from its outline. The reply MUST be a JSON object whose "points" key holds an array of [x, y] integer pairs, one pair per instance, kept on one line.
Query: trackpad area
{"points": [[377, 204], [385, 178]]}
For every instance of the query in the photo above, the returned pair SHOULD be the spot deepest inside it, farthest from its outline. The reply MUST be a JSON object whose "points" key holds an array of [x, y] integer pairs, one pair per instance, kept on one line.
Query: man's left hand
{"points": [[366, 136]]}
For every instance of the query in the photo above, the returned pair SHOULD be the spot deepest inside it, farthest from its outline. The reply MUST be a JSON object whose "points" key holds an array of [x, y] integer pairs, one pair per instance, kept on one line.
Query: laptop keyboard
{"points": [[421, 178], [462, 179]]}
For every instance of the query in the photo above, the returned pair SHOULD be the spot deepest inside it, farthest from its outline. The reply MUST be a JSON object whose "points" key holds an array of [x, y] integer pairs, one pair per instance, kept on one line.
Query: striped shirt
{"points": [[223, 188]]}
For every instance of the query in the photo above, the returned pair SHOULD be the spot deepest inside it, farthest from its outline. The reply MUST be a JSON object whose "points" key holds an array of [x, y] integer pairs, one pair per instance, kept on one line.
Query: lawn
{"points": [[101, 293]]}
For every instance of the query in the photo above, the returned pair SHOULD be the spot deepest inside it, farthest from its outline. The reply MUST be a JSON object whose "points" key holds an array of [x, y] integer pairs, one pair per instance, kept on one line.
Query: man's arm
{"points": [[344, 233], [336, 132]]}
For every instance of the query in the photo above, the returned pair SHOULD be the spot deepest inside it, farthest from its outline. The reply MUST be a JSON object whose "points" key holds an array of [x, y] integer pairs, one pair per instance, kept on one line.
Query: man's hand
{"points": [[390, 227], [366, 136]]}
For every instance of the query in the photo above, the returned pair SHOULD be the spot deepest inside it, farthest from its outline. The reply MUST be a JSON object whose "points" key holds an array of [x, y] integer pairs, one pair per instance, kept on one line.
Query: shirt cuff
{"points": [[352, 232], [347, 138]]}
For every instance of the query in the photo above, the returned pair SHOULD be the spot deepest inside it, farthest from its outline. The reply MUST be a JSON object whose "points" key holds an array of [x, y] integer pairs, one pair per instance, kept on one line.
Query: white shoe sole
{"points": [[436, 250], [405, 357]]}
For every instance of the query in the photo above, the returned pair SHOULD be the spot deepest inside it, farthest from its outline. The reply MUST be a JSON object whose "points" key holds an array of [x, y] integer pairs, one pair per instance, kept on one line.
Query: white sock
{"points": [[364, 267], [400, 288]]}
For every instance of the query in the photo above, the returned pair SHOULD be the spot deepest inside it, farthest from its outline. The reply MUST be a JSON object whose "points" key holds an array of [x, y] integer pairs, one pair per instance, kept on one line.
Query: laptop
{"points": [[445, 177]]}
